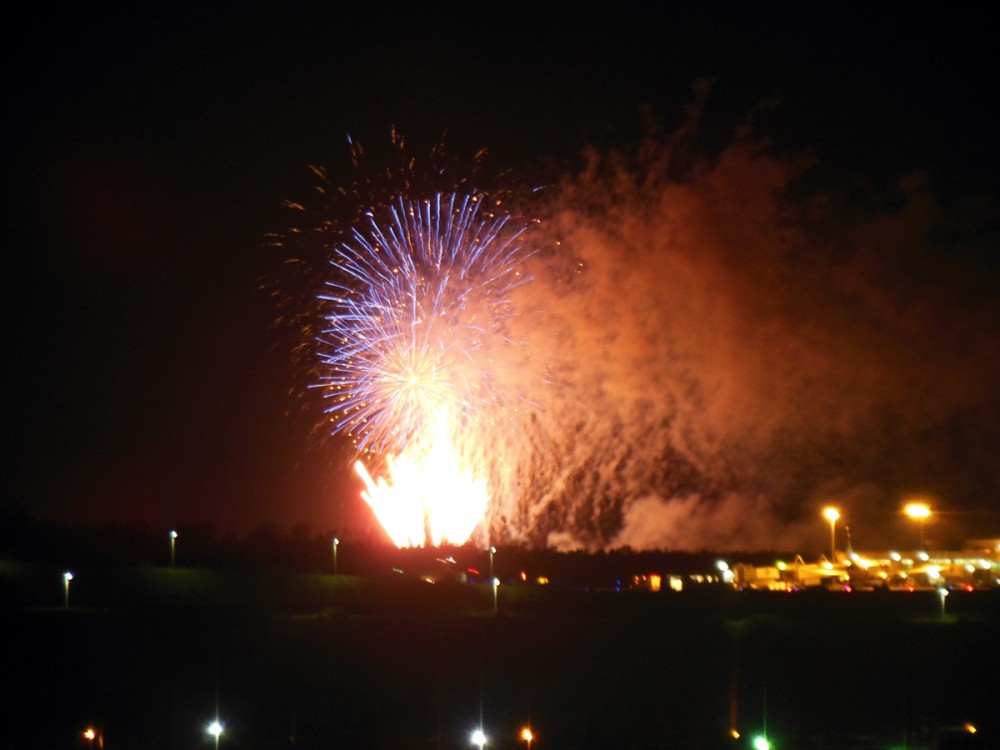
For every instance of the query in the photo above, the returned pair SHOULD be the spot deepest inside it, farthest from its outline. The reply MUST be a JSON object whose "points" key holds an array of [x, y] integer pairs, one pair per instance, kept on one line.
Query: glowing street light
{"points": [[496, 585], [67, 577], [336, 543], [173, 548], [478, 738], [832, 515], [942, 594], [493, 551], [92, 735], [760, 742], [527, 736], [215, 729], [919, 512]]}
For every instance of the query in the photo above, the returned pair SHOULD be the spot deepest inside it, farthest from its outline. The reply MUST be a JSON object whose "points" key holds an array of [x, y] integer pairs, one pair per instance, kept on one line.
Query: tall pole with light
{"points": [[919, 512], [832, 515], [92, 735], [173, 548], [67, 577], [527, 735], [336, 543], [215, 729]]}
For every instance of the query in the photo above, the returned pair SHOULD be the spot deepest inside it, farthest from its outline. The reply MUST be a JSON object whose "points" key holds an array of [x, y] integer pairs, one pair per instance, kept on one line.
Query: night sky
{"points": [[148, 154]]}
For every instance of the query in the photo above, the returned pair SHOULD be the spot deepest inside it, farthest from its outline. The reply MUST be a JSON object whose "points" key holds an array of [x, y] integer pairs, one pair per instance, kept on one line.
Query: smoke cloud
{"points": [[719, 346]]}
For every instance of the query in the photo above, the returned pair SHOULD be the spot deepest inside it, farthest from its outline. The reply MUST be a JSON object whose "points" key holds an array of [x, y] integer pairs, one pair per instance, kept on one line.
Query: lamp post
{"points": [[943, 594], [919, 512], [67, 577], [215, 729], [493, 551], [527, 736], [336, 543], [831, 514], [94, 737], [478, 738], [173, 548]]}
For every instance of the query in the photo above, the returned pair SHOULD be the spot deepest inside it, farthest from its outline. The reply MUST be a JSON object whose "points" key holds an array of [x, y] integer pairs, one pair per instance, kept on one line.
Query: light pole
{"points": [[92, 735], [527, 736], [478, 738], [67, 577], [215, 729], [831, 514], [493, 551], [919, 512], [943, 594], [496, 585], [173, 548], [336, 543]]}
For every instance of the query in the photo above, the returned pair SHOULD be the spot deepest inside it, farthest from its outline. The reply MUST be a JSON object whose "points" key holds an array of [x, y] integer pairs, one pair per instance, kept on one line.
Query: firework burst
{"points": [[416, 338]]}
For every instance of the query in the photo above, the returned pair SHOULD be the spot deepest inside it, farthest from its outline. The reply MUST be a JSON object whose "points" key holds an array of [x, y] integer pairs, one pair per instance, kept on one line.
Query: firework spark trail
{"points": [[415, 338]]}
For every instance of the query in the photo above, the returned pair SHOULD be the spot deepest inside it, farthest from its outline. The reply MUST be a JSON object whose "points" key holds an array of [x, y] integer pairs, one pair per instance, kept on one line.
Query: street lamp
{"points": [[478, 738], [919, 512], [831, 514], [173, 547], [67, 577], [496, 584], [493, 551], [760, 742], [215, 729], [336, 543], [92, 735], [527, 736], [943, 594]]}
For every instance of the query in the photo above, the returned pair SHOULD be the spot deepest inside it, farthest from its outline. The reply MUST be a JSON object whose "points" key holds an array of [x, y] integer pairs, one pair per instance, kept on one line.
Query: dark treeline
{"points": [[302, 549]]}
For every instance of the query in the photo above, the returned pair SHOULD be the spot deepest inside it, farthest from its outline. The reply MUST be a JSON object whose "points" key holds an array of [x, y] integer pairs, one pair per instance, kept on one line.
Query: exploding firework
{"points": [[697, 351], [413, 356]]}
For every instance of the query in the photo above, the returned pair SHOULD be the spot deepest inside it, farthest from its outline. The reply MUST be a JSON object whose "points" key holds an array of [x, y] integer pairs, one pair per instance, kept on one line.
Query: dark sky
{"points": [[148, 153]]}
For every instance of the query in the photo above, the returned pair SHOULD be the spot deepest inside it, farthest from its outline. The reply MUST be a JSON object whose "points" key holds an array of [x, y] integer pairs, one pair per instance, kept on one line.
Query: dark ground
{"points": [[317, 661]]}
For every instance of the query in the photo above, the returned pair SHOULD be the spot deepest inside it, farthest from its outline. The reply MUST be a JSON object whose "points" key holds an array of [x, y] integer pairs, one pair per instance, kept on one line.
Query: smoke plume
{"points": [[721, 345]]}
